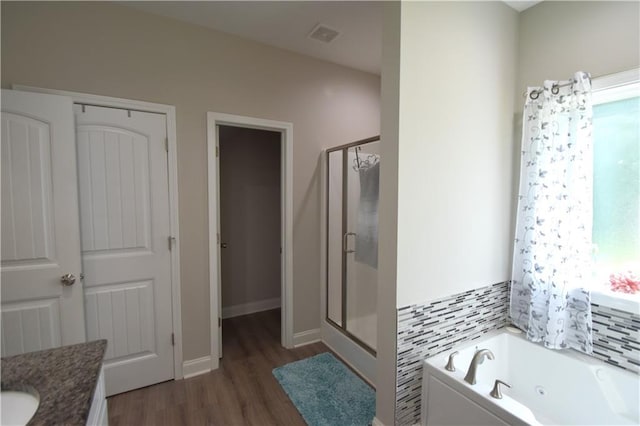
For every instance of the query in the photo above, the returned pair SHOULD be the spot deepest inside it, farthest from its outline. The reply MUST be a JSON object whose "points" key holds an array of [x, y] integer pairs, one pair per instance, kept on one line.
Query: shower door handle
{"points": [[345, 242]]}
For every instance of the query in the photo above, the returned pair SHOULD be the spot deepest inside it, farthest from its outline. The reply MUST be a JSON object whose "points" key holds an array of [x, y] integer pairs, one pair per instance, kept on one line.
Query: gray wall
{"points": [[388, 217], [559, 38], [110, 49], [249, 214]]}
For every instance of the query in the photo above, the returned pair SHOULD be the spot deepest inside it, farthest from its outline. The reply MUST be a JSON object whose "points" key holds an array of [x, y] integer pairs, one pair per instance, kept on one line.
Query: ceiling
{"points": [[287, 24]]}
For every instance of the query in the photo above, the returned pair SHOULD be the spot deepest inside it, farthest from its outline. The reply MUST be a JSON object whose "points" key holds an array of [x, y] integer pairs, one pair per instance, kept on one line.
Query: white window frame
{"points": [[610, 88]]}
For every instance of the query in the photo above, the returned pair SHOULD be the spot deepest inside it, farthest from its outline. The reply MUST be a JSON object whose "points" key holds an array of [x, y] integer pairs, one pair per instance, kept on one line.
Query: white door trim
{"points": [[170, 113], [214, 119]]}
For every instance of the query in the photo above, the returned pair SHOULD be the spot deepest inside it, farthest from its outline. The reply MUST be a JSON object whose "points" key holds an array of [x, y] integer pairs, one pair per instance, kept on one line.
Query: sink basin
{"points": [[17, 407]]}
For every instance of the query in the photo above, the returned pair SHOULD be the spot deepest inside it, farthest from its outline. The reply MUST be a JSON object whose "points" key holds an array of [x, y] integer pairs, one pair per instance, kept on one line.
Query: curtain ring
{"points": [[536, 93], [555, 89]]}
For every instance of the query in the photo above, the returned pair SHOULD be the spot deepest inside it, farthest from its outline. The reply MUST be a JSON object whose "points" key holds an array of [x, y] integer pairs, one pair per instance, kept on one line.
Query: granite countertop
{"points": [[65, 379]]}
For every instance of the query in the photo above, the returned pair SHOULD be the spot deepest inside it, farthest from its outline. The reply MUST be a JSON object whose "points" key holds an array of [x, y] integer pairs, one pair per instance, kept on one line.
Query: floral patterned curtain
{"points": [[552, 252]]}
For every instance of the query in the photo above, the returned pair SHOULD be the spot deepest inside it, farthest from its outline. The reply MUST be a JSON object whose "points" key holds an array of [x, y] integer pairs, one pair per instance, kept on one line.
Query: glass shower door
{"points": [[334, 237], [361, 241], [352, 240]]}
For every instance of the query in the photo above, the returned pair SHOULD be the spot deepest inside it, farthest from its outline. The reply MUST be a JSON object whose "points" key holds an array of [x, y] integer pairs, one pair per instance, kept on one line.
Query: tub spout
{"points": [[478, 359]]}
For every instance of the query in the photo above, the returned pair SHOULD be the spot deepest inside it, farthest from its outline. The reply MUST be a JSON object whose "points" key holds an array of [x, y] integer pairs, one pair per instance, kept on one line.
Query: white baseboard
{"points": [[306, 337], [195, 367], [250, 308], [376, 422]]}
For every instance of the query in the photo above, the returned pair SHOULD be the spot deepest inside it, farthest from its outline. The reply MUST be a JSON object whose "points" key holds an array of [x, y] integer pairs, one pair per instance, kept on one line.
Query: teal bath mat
{"points": [[326, 392]]}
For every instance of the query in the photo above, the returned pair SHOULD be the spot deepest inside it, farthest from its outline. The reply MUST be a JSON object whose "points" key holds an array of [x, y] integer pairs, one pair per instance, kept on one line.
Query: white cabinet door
{"points": [[40, 231], [125, 228], [99, 412]]}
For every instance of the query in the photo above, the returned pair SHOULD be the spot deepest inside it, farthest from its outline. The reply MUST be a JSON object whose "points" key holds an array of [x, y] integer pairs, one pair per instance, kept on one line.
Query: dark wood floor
{"points": [[241, 392]]}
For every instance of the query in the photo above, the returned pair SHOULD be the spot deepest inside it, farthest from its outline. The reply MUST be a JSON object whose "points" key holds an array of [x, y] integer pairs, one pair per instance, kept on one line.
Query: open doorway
{"points": [[250, 226], [250, 229]]}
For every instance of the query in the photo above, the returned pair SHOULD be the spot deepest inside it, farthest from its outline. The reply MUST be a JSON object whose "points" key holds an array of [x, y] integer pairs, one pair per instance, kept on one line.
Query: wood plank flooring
{"points": [[241, 392]]}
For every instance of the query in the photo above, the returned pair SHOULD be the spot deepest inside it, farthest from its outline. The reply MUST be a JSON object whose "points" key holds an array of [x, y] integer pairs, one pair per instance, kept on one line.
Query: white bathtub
{"points": [[547, 387]]}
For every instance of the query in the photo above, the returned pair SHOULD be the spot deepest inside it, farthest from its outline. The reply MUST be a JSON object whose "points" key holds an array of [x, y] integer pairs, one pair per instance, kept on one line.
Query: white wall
{"points": [[448, 84], [457, 81], [109, 49]]}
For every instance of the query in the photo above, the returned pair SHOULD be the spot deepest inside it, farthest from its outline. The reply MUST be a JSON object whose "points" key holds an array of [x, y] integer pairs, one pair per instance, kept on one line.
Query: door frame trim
{"points": [[286, 187], [170, 112]]}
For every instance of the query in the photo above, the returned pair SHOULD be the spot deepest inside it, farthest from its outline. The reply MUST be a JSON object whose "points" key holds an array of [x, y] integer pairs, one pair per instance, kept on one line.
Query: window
{"points": [[616, 182]]}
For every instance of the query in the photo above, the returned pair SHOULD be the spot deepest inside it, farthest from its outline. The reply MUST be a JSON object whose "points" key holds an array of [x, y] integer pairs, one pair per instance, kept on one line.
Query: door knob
{"points": [[67, 279], [223, 245]]}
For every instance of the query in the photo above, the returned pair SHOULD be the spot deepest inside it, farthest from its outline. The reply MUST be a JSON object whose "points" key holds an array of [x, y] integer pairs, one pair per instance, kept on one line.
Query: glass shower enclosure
{"points": [[353, 172]]}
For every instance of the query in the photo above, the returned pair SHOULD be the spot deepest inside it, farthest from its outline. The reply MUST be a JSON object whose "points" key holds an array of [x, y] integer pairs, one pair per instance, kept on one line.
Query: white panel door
{"points": [[40, 231], [124, 222]]}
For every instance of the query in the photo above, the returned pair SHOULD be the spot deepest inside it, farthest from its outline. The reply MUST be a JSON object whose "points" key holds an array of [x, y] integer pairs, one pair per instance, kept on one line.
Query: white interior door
{"points": [[125, 229], [40, 232]]}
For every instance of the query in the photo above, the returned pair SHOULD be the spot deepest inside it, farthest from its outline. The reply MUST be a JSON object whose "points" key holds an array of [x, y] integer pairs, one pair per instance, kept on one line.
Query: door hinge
{"points": [[166, 144], [173, 339], [219, 322], [171, 240], [218, 237], [217, 151]]}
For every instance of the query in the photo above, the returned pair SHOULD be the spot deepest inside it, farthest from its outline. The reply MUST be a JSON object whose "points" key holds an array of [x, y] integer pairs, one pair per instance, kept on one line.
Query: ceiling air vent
{"points": [[323, 33]]}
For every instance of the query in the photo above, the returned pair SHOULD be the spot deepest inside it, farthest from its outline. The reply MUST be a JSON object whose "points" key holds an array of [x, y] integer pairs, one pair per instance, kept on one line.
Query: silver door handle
{"points": [[344, 242], [224, 245], [67, 279]]}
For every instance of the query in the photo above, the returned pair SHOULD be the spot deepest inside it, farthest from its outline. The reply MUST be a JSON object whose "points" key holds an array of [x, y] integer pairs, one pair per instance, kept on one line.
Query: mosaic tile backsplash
{"points": [[428, 329], [438, 326], [616, 337]]}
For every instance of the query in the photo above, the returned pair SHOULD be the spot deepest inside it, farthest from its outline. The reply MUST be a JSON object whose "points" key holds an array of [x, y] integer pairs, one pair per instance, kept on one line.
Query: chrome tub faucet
{"points": [[478, 359]]}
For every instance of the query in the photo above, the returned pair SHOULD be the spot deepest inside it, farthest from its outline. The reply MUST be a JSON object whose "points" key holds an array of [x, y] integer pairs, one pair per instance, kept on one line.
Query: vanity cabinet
{"points": [[69, 381], [98, 415]]}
